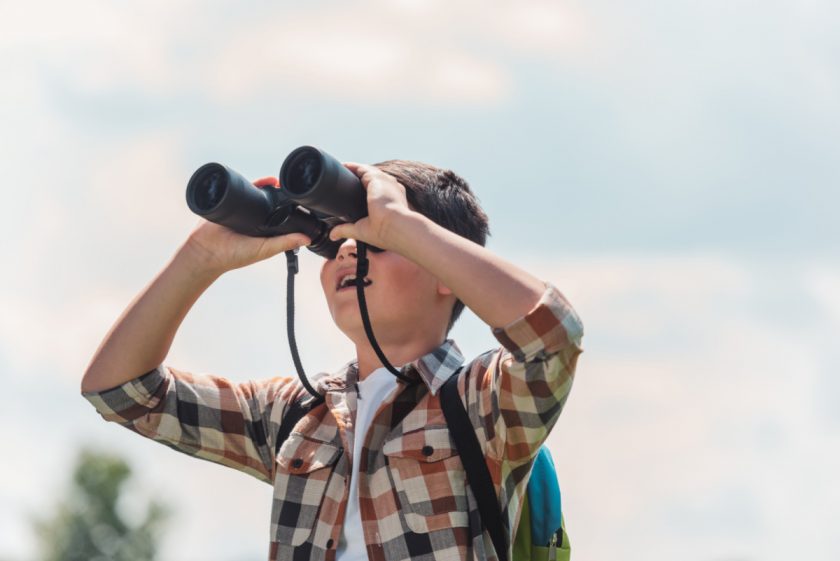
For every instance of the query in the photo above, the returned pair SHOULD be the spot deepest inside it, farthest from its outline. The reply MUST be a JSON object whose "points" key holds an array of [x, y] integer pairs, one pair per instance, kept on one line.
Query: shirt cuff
{"points": [[131, 400], [547, 329]]}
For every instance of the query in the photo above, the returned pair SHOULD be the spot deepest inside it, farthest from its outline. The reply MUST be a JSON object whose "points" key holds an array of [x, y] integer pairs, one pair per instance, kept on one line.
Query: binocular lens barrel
{"points": [[314, 179], [209, 185], [222, 195], [303, 171]]}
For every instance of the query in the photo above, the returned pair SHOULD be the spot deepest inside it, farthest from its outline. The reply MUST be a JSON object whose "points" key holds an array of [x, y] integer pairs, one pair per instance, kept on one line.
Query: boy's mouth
{"points": [[349, 281]]}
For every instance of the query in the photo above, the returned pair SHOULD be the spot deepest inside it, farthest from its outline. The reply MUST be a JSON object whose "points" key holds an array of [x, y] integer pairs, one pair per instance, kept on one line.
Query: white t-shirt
{"points": [[372, 392]]}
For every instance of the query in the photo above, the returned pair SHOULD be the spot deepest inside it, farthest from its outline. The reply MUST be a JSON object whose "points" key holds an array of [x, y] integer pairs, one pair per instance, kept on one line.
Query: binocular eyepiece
{"points": [[316, 193]]}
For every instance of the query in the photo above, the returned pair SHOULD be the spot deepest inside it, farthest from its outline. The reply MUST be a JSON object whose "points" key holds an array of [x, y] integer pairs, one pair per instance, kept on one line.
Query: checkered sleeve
{"points": [[532, 375], [206, 416]]}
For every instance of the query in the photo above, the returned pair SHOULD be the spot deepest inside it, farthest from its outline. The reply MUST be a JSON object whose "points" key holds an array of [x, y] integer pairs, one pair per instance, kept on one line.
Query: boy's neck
{"points": [[397, 354]]}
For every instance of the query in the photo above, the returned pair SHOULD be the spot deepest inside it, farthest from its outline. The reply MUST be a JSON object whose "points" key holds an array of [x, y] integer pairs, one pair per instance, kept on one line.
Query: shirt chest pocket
{"points": [[429, 479], [302, 471]]}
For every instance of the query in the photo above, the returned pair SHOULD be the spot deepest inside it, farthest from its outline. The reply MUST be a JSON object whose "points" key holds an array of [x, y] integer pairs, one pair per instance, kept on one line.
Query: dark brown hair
{"points": [[445, 198]]}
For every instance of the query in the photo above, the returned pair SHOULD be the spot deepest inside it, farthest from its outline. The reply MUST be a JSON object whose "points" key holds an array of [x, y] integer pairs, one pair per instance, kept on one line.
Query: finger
{"points": [[360, 169], [352, 166], [277, 244], [343, 231], [267, 182]]}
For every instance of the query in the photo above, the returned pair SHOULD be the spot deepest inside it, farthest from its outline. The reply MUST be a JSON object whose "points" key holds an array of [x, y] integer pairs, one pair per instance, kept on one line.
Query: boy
{"points": [[371, 473]]}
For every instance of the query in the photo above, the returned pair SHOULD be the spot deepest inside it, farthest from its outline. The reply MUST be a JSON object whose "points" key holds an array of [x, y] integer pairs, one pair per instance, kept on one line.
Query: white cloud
{"points": [[62, 291], [824, 284], [644, 296], [662, 442], [371, 52], [356, 56], [537, 28], [141, 181], [97, 45]]}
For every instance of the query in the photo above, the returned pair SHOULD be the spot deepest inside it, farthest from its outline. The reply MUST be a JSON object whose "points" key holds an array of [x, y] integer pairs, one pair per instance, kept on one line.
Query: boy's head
{"points": [[445, 198], [403, 299]]}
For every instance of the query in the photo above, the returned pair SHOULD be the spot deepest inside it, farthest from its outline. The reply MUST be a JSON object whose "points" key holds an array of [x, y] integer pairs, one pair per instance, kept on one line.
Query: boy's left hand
{"points": [[386, 202]]}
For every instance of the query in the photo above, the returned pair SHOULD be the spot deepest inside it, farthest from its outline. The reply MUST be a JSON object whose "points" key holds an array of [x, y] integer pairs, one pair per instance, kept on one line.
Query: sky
{"points": [[670, 166]]}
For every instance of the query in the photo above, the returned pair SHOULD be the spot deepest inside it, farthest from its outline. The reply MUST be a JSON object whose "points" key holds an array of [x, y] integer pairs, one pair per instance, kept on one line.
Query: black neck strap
{"points": [[362, 266], [292, 266]]}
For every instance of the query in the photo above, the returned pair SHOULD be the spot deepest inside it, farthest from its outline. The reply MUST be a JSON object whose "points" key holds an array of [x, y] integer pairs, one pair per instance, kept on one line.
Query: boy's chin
{"points": [[349, 325]]}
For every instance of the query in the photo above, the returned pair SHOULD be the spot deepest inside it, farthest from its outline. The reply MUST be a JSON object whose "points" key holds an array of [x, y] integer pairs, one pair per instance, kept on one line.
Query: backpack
{"points": [[541, 534]]}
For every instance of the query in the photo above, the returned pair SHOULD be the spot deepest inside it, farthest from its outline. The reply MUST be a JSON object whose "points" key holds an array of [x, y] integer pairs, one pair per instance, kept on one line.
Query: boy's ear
{"points": [[442, 289]]}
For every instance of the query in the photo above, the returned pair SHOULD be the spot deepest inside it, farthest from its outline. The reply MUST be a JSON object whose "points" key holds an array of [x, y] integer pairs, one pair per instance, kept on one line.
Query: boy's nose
{"points": [[346, 249]]}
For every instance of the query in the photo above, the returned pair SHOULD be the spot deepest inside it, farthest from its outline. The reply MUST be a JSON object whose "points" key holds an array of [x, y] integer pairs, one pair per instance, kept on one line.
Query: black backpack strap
{"points": [[297, 409], [478, 476]]}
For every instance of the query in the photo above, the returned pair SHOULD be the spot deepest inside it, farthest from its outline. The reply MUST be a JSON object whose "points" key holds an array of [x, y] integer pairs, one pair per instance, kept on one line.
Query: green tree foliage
{"points": [[87, 524]]}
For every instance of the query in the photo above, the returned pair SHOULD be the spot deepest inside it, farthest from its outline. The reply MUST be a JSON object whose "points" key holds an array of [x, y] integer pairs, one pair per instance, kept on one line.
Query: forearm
{"points": [[497, 291], [141, 337]]}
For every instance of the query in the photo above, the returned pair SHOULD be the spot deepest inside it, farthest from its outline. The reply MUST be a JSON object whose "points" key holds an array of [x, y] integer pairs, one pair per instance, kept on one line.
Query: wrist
{"points": [[196, 262], [405, 230]]}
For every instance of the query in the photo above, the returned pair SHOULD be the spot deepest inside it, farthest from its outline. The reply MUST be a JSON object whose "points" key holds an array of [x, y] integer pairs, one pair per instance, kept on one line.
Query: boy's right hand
{"points": [[217, 249]]}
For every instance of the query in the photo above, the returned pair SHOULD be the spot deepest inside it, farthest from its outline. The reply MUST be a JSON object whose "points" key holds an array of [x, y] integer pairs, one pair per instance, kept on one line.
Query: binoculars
{"points": [[316, 193]]}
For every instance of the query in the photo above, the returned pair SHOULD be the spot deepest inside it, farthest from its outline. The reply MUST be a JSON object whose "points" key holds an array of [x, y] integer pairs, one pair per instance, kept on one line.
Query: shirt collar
{"points": [[433, 369], [436, 367]]}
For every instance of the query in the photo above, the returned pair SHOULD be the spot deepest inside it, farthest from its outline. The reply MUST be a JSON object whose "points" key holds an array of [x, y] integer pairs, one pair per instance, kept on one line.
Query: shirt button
{"points": [[296, 463], [329, 543], [427, 450]]}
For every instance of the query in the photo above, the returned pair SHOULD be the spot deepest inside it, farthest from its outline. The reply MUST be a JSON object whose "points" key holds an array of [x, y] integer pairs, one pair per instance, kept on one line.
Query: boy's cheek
{"points": [[325, 273]]}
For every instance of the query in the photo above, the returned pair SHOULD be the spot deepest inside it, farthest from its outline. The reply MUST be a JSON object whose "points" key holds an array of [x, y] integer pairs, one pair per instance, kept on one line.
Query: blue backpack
{"points": [[541, 535]]}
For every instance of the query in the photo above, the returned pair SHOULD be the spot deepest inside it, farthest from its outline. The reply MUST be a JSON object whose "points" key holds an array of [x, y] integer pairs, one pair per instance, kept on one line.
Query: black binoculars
{"points": [[316, 193]]}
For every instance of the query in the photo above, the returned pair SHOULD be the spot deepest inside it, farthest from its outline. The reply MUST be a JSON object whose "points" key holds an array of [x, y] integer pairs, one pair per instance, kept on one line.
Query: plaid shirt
{"points": [[413, 499]]}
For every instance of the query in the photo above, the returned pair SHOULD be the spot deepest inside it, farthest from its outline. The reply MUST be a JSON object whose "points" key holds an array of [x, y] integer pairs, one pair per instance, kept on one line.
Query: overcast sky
{"points": [[671, 166]]}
